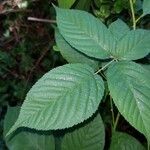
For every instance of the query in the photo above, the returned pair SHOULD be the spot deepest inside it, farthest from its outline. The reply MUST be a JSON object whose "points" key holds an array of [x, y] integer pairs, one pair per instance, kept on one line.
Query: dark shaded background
{"points": [[26, 47]]}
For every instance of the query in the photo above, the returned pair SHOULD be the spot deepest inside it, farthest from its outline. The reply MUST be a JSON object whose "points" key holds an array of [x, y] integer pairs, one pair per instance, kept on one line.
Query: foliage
{"points": [[93, 134], [66, 104], [26, 139], [124, 141], [61, 89]]}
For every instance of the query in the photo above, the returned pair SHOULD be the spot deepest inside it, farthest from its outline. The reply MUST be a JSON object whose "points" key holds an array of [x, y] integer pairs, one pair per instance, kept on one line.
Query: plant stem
{"points": [[41, 20], [116, 121], [104, 67], [139, 18], [112, 112], [133, 14]]}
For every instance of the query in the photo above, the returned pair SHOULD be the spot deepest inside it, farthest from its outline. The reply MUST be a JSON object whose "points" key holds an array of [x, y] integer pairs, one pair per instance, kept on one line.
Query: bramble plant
{"points": [[70, 94]]}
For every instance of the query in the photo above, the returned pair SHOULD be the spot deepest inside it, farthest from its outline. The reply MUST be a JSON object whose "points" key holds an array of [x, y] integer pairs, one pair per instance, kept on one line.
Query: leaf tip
{"points": [[54, 6], [10, 131]]}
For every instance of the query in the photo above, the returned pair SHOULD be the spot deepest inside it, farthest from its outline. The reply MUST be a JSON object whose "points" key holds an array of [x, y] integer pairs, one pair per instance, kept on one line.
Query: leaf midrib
{"points": [[89, 35], [70, 91], [131, 89]]}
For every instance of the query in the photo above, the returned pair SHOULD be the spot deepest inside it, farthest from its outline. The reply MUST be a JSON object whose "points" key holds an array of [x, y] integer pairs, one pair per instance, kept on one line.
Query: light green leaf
{"points": [[129, 86], [119, 29], [135, 45], [88, 137], [71, 54], [65, 3], [26, 140], [123, 141], [85, 33], [63, 97], [146, 7]]}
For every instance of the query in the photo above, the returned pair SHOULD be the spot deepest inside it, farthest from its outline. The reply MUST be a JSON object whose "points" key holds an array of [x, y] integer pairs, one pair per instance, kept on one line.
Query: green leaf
{"points": [[135, 45], [63, 97], [25, 139], [138, 5], [83, 4], [85, 33], [146, 7], [98, 3], [88, 137], [55, 48], [129, 86], [146, 66], [123, 141], [119, 29], [119, 5], [65, 3], [71, 54]]}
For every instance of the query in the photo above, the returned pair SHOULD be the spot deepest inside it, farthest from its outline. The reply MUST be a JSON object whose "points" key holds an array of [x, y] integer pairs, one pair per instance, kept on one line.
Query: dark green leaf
{"points": [[123, 141], [25, 140], [83, 4], [89, 137]]}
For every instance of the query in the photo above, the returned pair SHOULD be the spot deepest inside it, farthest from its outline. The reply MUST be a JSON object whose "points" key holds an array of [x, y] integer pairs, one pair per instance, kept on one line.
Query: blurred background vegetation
{"points": [[27, 48]]}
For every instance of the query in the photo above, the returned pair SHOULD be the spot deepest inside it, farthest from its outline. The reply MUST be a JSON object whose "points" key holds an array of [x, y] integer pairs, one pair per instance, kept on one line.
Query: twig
{"points": [[34, 67], [133, 14], [41, 20], [139, 18], [112, 111], [116, 122], [104, 66]]}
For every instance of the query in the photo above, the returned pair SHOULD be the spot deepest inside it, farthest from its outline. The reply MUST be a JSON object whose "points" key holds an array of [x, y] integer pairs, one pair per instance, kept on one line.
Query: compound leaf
{"points": [[119, 29], [88, 137], [123, 141], [25, 139], [63, 97], [129, 86], [85, 33], [135, 45], [146, 7], [71, 54]]}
